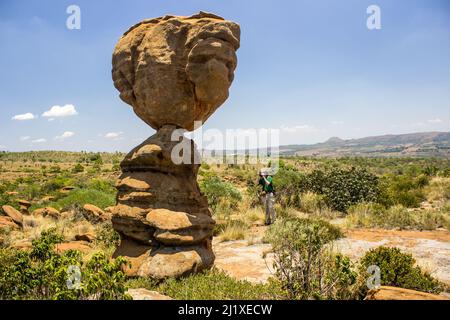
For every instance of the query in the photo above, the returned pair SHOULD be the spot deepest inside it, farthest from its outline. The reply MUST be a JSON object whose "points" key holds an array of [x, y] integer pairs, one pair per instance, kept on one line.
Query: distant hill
{"points": [[424, 144]]}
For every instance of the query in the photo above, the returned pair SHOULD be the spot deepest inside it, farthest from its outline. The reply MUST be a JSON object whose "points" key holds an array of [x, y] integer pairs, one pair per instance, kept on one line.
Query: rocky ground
{"points": [[252, 260]]}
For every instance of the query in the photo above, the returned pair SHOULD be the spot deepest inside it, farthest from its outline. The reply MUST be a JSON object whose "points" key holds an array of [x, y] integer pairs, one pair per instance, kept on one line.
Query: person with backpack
{"points": [[268, 196]]}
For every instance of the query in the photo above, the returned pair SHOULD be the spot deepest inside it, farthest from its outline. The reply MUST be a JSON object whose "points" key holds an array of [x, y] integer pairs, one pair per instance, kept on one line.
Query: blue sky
{"points": [[310, 68]]}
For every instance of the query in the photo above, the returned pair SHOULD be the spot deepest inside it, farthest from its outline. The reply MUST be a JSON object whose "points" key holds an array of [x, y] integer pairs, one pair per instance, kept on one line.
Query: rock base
{"points": [[165, 225]]}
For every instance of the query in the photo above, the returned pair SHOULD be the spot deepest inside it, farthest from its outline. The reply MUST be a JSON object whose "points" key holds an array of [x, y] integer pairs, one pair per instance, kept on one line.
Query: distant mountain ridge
{"points": [[423, 144]]}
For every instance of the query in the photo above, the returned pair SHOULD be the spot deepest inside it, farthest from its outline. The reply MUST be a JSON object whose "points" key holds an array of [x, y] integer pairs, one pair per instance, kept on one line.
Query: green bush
{"points": [[42, 273], [107, 236], [344, 188], [57, 183], [301, 230], [81, 197], [403, 190], [289, 183], [304, 264], [339, 187], [218, 191], [398, 270], [312, 202], [78, 168], [102, 185]]}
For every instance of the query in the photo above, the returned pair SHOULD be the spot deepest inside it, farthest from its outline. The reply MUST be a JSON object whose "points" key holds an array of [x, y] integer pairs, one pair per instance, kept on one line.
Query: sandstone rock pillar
{"points": [[173, 71]]}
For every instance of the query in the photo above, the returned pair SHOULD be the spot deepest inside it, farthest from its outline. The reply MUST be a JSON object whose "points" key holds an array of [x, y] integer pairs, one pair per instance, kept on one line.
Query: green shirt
{"points": [[266, 187]]}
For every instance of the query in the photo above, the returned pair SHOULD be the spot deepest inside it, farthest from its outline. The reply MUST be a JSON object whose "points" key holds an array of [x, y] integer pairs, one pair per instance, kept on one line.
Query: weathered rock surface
{"points": [[24, 205], [134, 252], [160, 207], [48, 198], [88, 237], [66, 189], [7, 222], [144, 294], [176, 261], [14, 214], [94, 213], [173, 71], [73, 245], [176, 70], [393, 293], [180, 228], [244, 261], [47, 212]]}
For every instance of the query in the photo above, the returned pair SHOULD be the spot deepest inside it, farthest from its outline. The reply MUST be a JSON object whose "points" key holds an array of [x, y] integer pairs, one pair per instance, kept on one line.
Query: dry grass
{"points": [[254, 216], [371, 216], [34, 225], [438, 189], [234, 230]]}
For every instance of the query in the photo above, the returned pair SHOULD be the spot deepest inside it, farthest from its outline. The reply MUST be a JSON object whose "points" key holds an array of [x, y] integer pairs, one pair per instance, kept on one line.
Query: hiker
{"points": [[267, 196]]}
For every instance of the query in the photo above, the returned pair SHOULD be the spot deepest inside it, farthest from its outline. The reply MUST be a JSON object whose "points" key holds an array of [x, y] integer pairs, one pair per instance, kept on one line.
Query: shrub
{"points": [[403, 190], [84, 196], [347, 187], [398, 270], [218, 191], [438, 189], [304, 264], [57, 183], [96, 158], [339, 188], [42, 273], [312, 202], [289, 183], [107, 236], [102, 185], [397, 217], [78, 168]]}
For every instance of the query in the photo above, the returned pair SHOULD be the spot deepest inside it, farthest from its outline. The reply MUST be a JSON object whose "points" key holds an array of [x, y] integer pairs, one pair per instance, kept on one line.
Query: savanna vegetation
{"points": [[317, 200]]}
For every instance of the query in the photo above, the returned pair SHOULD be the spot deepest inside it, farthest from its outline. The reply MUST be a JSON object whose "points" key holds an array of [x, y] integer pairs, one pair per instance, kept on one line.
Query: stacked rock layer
{"points": [[164, 220]]}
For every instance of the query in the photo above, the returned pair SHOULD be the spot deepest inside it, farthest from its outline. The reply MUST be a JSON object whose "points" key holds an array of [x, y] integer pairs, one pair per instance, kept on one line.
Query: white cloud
{"points": [[337, 123], [299, 128], [113, 135], [59, 112], [2, 147], [65, 135], [25, 138], [437, 120], [41, 140], [23, 117]]}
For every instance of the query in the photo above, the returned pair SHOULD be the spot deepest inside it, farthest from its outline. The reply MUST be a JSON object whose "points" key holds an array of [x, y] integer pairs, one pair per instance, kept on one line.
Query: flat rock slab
{"points": [[73, 245], [144, 294], [243, 261], [14, 214], [393, 293], [431, 249]]}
